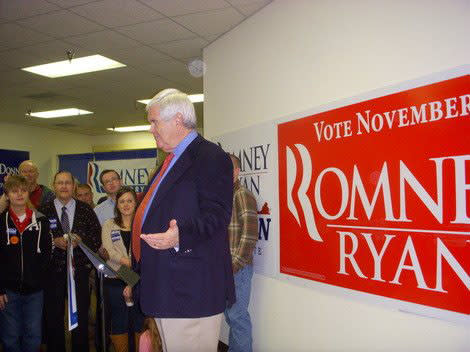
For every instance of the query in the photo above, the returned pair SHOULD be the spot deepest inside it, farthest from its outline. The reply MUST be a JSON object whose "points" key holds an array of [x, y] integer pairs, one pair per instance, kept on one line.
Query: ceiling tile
{"points": [[159, 31], [15, 77], [174, 71], [114, 13], [246, 2], [213, 22], [15, 36], [5, 67], [18, 59], [250, 8], [61, 24], [183, 7], [164, 67], [51, 51], [136, 56], [15, 9], [70, 3], [212, 37], [50, 92], [183, 49], [97, 41]]}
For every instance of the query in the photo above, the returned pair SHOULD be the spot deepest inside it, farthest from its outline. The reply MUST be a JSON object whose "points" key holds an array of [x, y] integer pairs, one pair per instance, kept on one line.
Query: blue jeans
{"points": [[20, 322], [237, 316]]}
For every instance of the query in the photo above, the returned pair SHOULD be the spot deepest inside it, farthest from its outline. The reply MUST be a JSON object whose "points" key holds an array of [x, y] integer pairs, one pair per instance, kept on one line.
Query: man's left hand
{"points": [[163, 240]]}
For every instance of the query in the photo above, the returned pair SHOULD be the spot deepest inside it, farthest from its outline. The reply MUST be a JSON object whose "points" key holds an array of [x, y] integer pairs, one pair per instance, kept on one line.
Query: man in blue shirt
{"points": [[111, 182]]}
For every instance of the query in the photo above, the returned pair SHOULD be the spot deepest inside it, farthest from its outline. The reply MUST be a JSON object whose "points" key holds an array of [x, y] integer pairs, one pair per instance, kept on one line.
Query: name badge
{"points": [[53, 223], [115, 235], [11, 231]]}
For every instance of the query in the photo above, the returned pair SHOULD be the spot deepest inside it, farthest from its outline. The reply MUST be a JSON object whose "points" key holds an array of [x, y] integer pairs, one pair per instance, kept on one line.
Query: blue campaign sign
{"points": [[9, 162]]}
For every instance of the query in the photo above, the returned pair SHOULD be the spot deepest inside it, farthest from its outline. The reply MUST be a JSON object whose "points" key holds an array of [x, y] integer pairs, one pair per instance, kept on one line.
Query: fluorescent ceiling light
{"points": [[130, 128], [195, 98], [75, 66], [60, 113]]}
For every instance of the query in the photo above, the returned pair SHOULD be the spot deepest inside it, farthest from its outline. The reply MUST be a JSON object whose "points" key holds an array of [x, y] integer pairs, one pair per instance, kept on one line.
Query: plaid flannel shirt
{"points": [[243, 227]]}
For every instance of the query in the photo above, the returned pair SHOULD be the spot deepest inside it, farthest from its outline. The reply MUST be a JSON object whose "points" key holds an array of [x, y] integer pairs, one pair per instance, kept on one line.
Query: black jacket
{"points": [[85, 225], [24, 257]]}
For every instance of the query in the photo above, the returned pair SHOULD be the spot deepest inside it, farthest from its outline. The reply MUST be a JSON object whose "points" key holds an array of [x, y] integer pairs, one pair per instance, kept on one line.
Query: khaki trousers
{"points": [[190, 335]]}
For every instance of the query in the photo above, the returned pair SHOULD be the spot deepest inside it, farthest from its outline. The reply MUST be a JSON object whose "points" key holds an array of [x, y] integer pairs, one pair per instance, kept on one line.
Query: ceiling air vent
{"points": [[44, 95]]}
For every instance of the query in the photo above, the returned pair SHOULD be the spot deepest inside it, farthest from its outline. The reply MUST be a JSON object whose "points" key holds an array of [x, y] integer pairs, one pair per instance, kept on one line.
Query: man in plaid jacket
{"points": [[243, 234]]}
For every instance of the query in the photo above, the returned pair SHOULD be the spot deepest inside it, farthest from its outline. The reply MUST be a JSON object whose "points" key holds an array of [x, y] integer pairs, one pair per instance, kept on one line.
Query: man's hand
{"points": [[165, 240], [127, 294], [3, 301], [60, 242], [75, 241]]}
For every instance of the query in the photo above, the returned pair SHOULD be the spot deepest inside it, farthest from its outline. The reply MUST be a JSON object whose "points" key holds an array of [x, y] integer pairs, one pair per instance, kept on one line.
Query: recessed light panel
{"points": [[130, 128], [75, 66], [60, 113]]}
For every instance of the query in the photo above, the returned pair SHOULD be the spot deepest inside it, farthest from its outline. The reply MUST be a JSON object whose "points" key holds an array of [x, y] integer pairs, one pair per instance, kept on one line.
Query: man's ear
{"points": [[179, 119]]}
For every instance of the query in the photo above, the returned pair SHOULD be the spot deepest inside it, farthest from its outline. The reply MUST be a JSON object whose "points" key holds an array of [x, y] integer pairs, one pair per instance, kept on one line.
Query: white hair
{"points": [[172, 101]]}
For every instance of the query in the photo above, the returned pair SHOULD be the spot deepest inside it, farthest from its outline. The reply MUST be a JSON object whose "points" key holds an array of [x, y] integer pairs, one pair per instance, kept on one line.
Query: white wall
{"points": [[295, 55], [43, 145]]}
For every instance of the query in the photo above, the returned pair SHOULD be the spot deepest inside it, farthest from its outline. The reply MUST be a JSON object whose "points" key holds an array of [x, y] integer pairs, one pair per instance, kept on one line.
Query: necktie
{"points": [[139, 215], [64, 220]]}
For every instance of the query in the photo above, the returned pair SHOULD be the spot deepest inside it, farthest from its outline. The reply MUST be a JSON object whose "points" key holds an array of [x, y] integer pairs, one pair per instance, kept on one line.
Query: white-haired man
{"points": [[180, 240]]}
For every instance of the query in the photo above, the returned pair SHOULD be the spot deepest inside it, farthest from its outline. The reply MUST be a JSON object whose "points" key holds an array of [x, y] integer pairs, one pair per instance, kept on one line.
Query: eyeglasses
{"points": [[66, 183], [113, 179]]}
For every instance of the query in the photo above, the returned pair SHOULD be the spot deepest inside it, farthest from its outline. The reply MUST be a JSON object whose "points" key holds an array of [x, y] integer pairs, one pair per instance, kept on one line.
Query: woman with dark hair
{"points": [[116, 239]]}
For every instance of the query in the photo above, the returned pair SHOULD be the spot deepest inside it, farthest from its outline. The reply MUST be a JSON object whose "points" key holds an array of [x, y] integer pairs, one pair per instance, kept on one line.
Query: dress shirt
{"points": [[180, 148], [70, 210], [105, 210]]}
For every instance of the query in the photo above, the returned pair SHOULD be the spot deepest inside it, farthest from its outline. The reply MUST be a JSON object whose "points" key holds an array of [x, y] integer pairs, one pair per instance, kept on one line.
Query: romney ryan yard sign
{"points": [[375, 196]]}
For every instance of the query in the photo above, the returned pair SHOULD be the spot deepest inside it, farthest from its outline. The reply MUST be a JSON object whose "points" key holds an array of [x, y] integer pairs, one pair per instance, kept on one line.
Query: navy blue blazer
{"points": [[196, 281]]}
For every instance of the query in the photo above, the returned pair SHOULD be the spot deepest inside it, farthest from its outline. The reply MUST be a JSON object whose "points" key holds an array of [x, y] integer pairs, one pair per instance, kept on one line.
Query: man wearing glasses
{"points": [[111, 182]]}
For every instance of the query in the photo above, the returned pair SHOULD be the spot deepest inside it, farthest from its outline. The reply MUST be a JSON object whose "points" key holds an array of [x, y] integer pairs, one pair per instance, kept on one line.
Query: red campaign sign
{"points": [[375, 196]]}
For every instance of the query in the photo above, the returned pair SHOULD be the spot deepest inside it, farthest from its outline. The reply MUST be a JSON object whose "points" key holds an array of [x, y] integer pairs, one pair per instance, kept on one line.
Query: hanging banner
{"points": [[9, 162], [257, 153], [375, 196], [134, 173], [71, 289]]}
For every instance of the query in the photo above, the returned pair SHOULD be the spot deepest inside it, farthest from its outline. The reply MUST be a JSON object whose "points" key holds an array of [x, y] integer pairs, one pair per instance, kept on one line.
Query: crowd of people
{"points": [[190, 236]]}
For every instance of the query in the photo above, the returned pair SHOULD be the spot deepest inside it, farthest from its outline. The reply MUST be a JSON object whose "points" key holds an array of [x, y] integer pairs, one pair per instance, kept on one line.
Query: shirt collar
{"points": [[180, 148], [29, 215], [70, 204]]}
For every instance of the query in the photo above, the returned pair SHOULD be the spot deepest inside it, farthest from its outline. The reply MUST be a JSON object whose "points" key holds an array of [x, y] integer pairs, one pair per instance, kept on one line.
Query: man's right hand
{"points": [[127, 293], [3, 301], [60, 242]]}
